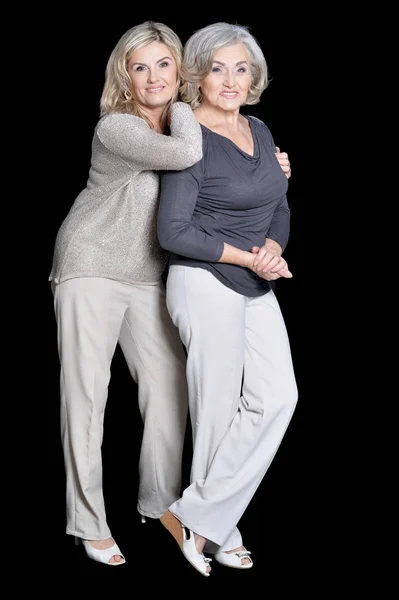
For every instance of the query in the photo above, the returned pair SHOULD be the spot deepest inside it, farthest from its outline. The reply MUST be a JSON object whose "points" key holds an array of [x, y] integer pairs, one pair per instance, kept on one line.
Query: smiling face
{"points": [[226, 87], [153, 73]]}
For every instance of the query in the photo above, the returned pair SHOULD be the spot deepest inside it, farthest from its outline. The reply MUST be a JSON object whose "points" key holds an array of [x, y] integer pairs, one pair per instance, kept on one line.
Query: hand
{"points": [[269, 265], [285, 164]]}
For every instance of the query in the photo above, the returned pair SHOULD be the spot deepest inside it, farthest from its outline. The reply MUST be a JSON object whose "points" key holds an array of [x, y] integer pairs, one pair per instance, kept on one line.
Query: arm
{"points": [[132, 139], [176, 230], [279, 230], [268, 259]]}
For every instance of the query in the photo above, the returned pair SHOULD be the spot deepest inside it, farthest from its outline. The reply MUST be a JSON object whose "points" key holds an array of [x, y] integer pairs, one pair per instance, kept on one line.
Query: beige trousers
{"points": [[242, 394], [93, 315]]}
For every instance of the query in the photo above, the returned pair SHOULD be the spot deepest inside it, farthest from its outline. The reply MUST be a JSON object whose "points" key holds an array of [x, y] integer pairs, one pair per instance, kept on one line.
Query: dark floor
{"points": [[277, 539], [280, 526]]}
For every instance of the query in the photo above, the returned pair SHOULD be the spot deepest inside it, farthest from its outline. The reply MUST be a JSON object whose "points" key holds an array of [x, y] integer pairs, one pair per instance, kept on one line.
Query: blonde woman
{"points": [[106, 278]]}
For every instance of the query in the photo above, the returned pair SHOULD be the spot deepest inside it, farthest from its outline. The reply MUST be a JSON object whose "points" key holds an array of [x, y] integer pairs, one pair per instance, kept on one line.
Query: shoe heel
{"points": [[185, 538], [173, 525]]}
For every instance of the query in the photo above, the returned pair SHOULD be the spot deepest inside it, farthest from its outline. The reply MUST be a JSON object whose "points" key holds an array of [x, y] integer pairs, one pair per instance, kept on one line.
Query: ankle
{"points": [[101, 544], [199, 543]]}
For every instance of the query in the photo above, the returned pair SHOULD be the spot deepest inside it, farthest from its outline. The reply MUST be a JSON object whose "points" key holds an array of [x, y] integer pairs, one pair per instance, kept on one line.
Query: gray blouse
{"points": [[110, 230], [228, 196]]}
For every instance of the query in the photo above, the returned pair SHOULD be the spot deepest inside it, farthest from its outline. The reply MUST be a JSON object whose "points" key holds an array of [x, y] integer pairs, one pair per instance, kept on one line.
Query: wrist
{"points": [[248, 260], [273, 246]]}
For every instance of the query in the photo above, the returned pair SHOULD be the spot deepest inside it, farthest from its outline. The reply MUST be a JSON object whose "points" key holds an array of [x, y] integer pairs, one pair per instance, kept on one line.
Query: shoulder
{"points": [[206, 133], [255, 122], [261, 126], [118, 122], [181, 106], [181, 112], [210, 141]]}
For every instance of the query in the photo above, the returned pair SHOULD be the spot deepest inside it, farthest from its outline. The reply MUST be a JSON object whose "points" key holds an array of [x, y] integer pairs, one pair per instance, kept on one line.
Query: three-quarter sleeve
{"points": [[132, 139], [279, 229], [177, 231]]}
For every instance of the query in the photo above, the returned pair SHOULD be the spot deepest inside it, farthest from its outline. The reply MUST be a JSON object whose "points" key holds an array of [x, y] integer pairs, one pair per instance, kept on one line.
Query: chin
{"points": [[234, 102], [160, 104], [231, 106], [160, 100]]}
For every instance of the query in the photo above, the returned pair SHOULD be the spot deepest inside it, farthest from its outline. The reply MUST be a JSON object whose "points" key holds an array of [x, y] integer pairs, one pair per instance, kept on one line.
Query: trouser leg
{"points": [[207, 325], [88, 314], [269, 397], [155, 356], [224, 331]]}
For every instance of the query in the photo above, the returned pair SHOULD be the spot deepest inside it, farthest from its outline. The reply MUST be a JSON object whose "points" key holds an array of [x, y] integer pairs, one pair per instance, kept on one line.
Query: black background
{"points": [[284, 525]]}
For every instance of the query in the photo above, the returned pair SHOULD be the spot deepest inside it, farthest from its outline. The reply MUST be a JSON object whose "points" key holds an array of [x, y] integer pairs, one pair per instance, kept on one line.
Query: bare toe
{"points": [[116, 559], [104, 545], [244, 561]]}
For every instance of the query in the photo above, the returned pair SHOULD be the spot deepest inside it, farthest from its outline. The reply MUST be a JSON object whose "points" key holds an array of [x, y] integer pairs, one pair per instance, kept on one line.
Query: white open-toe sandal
{"points": [[233, 559], [102, 556], [185, 538]]}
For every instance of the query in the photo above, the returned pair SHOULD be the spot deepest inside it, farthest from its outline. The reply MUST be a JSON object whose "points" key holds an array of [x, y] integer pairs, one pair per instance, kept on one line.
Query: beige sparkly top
{"points": [[110, 230]]}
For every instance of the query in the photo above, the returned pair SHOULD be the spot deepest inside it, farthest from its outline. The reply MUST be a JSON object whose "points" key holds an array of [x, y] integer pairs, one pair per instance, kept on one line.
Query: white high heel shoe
{"points": [[185, 538], [233, 559], [102, 556]]}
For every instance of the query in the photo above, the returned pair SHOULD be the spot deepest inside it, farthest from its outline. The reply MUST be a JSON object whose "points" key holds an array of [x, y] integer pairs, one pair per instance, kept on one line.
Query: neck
{"points": [[211, 116], [154, 116]]}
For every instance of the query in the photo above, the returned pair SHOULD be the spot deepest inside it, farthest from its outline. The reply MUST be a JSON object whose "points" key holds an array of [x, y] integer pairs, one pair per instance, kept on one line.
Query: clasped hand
{"points": [[268, 264]]}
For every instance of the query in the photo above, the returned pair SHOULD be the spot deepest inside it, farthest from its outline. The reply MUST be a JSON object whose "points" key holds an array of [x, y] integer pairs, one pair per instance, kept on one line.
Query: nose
{"points": [[230, 79], [152, 76]]}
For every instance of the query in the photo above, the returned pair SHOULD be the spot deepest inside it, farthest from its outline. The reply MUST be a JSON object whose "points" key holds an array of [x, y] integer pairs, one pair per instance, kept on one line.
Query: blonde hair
{"points": [[198, 54], [116, 95]]}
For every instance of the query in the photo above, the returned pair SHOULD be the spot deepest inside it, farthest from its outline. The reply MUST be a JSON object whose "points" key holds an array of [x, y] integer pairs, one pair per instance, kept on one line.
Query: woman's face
{"points": [[153, 74], [226, 87]]}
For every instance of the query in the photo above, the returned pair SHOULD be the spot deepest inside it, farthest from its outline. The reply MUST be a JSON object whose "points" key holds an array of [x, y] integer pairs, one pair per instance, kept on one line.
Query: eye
{"points": [[242, 70], [164, 64], [216, 69], [139, 68]]}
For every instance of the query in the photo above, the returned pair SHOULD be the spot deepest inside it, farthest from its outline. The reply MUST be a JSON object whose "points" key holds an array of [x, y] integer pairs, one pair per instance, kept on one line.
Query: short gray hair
{"points": [[199, 52]]}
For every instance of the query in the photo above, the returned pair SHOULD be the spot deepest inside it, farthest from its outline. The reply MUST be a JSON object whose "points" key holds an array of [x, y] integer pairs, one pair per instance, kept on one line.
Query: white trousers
{"points": [[93, 315], [242, 394]]}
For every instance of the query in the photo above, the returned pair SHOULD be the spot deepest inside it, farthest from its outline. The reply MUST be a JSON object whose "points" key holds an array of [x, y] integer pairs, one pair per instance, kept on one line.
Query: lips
{"points": [[155, 90]]}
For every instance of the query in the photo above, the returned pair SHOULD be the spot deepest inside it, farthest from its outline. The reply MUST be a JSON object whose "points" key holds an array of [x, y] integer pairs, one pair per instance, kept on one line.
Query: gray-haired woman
{"points": [[226, 222]]}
